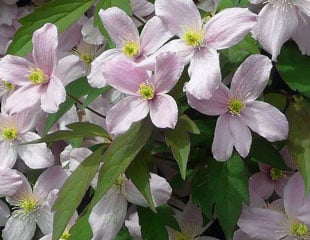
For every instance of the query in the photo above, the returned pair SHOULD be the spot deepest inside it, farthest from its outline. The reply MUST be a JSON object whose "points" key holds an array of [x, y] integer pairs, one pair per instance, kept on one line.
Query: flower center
{"points": [[146, 91], [235, 106], [120, 181], [182, 236], [87, 58], [65, 236], [28, 205], [37, 76], [299, 229], [192, 38], [131, 49], [9, 133], [276, 173], [9, 86]]}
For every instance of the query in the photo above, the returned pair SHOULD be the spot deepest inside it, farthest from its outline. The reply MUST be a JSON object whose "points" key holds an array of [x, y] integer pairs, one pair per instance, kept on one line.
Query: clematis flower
{"points": [[279, 21], [146, 94], [16, 130], [198, 43], [31, 207], [108, 215], [43, 79], [128, 43], [239, 111], [285, 220], [4, 213]]}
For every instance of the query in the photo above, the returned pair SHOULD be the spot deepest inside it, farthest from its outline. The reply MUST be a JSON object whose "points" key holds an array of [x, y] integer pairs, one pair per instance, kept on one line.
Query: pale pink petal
{"points": [[280, 184], [10, 181], [26, 120], [52, 178], [304, 211], [77, 156], [108, 215], [142, 7], [302, 34], [266, 120], [256, 1], [160, 189], [20, 228], [261, 184], [229, 27], [15, 70], [239, 235], [265, 168], [241, 135], [123, 114], [7, 13], [179, 15], [223, 142], [191, 221], [274, 27], [71, 36], [205, 73], [8, 154], [293, 195], [125, 76], [154, 35], [216, 105], [91, 34], [304, 6], [251, 77], [252, 221], [288, 158], [54, 95], [34, 155], [132, 224], [4, 213], [23, 190], [69, 68], [119, 25], [45, 41], [164, 111], [24, 97], [95, 77], [168, 70], [45, 220]]}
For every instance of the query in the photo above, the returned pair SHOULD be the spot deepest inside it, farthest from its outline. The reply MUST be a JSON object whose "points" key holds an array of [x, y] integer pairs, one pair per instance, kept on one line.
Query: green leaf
{"points": [[276, 99], [179, 141], [92, 94], [71, 194], [62, 13], [138, 172], [294, 68], [232, 190], [123, 235], [117, 158], [298, 115], [231, 3]]}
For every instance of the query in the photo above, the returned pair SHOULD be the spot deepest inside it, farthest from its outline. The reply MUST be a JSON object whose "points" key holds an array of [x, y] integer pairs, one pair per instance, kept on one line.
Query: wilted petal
{"points": [[54, 95], [251, 77], [164, 111], [154, 35], [302, 34], [8, 154], [216, 105], [45, 41], [261, 184], [266, 120], [19, 228], [119, 26], [108, 215], [223, 142], [179, 16], [205, 73], [123, 114], [229, 27], [10, 182], [275, 26], [34, 155]]}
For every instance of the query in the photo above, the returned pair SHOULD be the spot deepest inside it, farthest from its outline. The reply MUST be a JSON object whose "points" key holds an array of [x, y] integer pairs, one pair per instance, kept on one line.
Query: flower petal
{"points": [[119, 25], [302, 34], [240, 235], [205, 73], [45, 42], [180, 16], [304, 6], [266, 120], [45, 220], [4, 213], [275, 26], [8, 154], [19, 228], [251, 77], [123, 114], [160, 189], [261, 184], [34, 155], [168, 70], [164, 111], [10, 182], [223, 142], [229, 27], [142, 8]]}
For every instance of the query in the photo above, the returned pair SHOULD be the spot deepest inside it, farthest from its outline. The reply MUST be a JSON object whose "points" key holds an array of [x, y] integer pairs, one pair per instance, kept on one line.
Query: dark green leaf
{"points": [[123, 235], [276, 99], [71, 194]]}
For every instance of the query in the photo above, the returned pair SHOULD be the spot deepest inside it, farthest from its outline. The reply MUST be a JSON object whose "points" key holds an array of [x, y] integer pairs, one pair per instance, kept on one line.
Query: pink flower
{"points": [[239, 111], [285, 220], [43, 79], [198, 43], [279, 21], [145, 94]]}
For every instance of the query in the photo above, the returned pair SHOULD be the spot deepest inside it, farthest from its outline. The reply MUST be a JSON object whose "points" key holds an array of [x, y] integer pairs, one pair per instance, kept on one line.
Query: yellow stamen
{"points": [[65, 236], [28, 205], [146, 91], [299, 229], [131, 49], [37, 76], [235, 106], [9, 86], [9, 133], [192, 38], [276, 173]]}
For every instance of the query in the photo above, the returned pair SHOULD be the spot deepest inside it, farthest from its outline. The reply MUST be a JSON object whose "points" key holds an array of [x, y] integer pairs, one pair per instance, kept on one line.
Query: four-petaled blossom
{"points": [[238, 110], [43, 79], [199, 43], [146, 94], [280, 20]]}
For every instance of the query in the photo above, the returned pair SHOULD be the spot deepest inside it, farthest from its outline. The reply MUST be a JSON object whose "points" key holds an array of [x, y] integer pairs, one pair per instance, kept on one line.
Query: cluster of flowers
{"points": [[142, 69]]}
